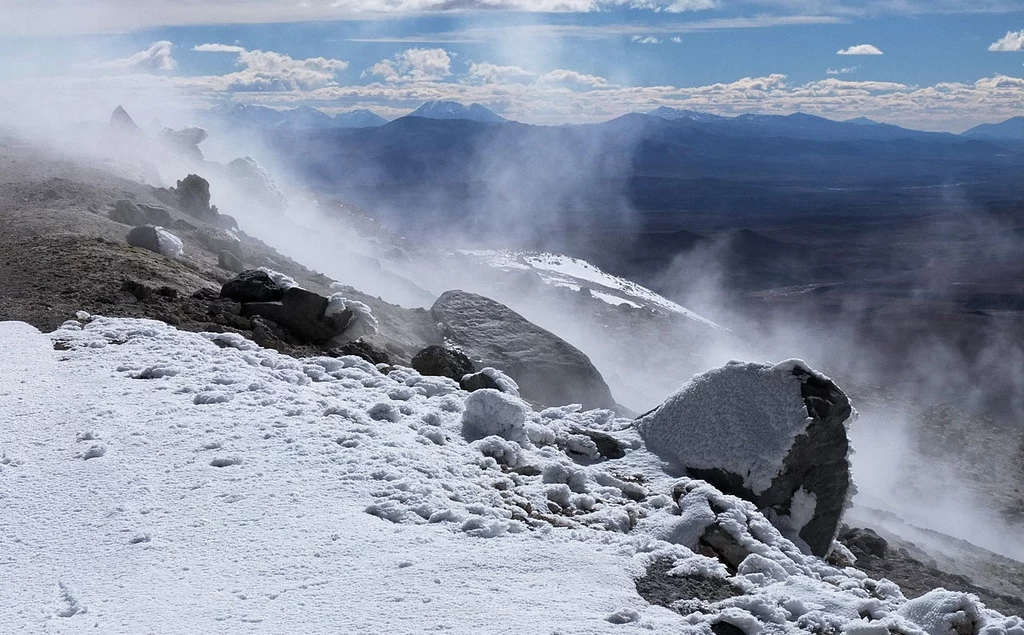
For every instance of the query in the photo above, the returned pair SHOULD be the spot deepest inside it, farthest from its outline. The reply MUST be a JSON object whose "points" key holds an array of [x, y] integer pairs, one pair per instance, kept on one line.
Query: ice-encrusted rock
{"points": [[772, 434], [547, 369]]}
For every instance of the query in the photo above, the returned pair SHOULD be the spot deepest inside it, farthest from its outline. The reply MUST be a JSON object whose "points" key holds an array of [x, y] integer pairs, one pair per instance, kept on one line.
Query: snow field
{"points": [[240, 490]]}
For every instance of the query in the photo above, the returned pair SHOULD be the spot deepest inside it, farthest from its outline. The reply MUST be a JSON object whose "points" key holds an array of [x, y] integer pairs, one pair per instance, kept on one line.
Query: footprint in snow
{"points": [[72, 606]]}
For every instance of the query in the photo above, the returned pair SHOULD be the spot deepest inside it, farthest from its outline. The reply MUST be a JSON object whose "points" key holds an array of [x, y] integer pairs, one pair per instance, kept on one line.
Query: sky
{"points": [[936, 65]]}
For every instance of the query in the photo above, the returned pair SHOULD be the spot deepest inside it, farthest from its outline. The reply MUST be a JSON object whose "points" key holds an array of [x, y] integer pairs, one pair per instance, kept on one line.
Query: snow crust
{"points": [[281, 280], [742, 417], [362, 323], [170, 245], [243, 491], [565, 271]]}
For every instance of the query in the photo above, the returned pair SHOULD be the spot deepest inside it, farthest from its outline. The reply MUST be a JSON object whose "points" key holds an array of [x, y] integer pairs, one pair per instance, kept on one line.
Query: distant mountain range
{"points": [[302, 118], [796, 125], [455, 110], [1010, 130]]}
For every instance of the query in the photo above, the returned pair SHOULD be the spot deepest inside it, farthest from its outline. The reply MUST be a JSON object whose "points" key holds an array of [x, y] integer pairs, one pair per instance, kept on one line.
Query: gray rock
{"points": [[548, 369], [156, 215], [229, 261], [216, 241], [252, 285], [128, 213], [443, 361], [773, 435]]}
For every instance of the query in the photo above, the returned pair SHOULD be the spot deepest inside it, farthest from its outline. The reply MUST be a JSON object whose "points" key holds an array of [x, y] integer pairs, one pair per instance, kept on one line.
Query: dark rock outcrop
{"points": [[443, 361], [252, 285], [548, 369], [773, 435], [192, 195]]}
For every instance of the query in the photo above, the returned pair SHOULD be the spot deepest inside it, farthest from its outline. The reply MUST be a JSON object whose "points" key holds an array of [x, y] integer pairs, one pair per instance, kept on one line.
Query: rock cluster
{"points": [[301, 313]]}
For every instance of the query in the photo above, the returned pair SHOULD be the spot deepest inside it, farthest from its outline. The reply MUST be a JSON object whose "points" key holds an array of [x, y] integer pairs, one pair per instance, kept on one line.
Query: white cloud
{"points": [[564, 76], [271, 71], [218, 48], [494, 74], [645, 39], [156, 58], [1012, 41], [413, 65], [860, 49], [841, 71]]}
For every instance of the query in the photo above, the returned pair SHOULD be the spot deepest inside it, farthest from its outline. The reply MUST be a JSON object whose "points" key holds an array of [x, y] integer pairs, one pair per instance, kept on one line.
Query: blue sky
{"points": [[944, 64]]}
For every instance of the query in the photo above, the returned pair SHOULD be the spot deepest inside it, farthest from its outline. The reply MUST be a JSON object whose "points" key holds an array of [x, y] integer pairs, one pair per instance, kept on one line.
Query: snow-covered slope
{"points": [[177, 482], [573, 273]]}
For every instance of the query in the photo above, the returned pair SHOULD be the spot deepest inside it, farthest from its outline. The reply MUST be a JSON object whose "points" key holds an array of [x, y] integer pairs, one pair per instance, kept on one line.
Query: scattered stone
{"points": [[442, 361], [252, 285], [773, 435]]}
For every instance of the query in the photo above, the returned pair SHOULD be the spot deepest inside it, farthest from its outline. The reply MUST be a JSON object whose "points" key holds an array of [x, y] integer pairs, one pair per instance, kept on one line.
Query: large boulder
{"points": [[252, 285], [443, 361], [774, 435], [155, 239], [548, 369], [299, 311]]}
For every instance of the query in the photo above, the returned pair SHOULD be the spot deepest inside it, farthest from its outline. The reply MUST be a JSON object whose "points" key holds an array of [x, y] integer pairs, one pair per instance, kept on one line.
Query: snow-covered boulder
{"points": [[547, 369], [156, 239], [772, 434]]}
